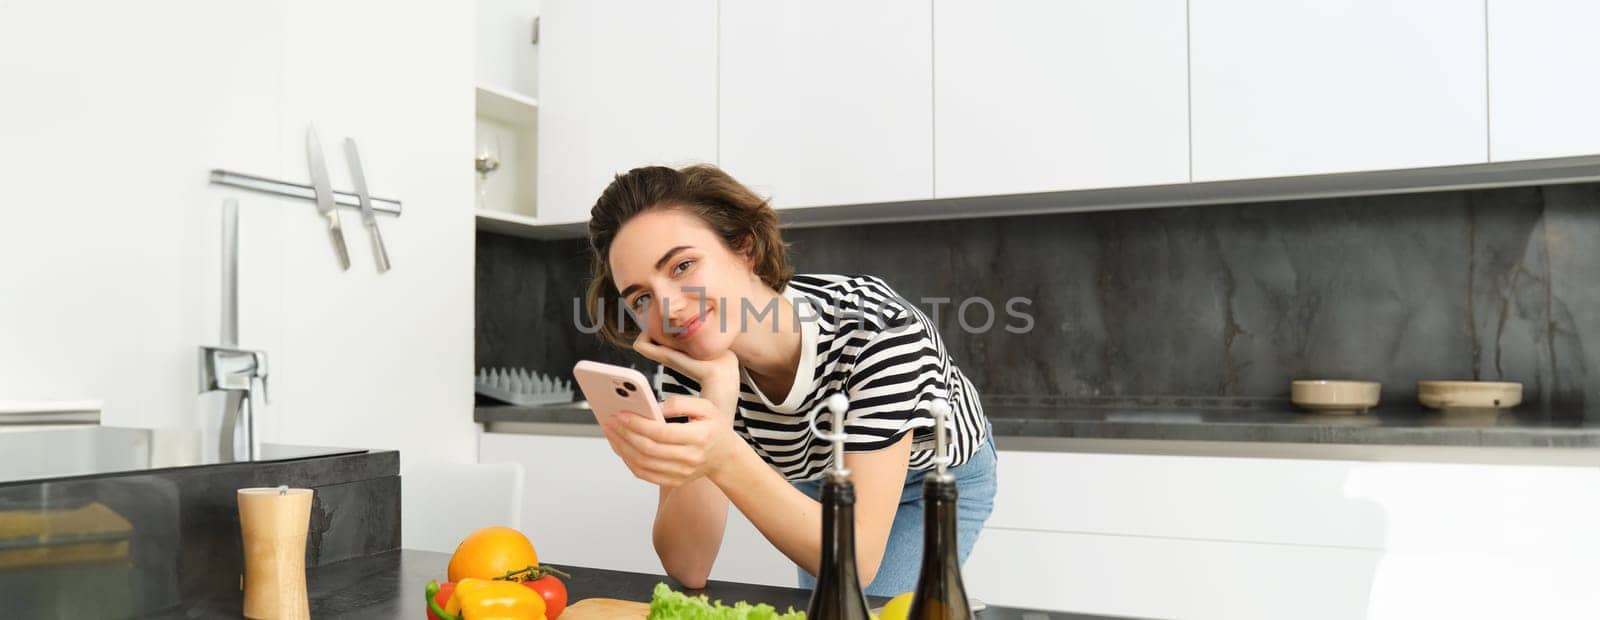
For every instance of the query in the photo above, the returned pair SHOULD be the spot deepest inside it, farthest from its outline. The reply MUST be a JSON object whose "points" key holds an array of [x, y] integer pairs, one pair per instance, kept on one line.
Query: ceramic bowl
{"points": [[1326, 396], [1469, 394]]}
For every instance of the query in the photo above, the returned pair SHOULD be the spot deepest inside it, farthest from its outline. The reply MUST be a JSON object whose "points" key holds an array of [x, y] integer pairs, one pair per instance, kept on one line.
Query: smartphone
{"points": [[611, 390]]}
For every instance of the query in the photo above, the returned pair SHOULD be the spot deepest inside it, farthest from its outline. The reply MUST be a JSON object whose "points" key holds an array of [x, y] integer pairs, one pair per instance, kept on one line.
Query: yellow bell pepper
{"points": [[484, 599]]}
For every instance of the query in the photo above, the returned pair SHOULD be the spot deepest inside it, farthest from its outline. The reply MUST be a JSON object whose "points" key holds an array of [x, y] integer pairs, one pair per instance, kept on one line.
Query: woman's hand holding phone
{"points": [[672, 455]]}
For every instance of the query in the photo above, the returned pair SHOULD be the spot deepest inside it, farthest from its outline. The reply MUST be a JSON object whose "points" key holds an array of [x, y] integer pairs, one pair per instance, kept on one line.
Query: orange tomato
{"points": [[491, 552]]}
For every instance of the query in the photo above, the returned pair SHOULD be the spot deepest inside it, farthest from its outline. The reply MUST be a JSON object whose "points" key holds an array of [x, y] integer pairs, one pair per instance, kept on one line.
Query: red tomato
{"points": [[554, 593], [445, 590]]}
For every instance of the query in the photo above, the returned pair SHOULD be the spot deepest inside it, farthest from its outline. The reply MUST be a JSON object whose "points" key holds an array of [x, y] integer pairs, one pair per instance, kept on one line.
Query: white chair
{"points": [[441, 503]]}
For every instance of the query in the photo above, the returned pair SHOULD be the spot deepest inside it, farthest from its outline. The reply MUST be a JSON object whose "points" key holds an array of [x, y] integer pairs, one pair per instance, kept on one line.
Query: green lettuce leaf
{"points": [[667, 604]]}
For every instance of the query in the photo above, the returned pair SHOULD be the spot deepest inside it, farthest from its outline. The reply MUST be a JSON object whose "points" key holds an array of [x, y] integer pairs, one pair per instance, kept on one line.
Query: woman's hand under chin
{"points": [[718, 377]]}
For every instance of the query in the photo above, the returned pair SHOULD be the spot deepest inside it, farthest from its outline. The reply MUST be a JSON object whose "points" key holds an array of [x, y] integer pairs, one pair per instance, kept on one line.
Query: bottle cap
{"points": [[838, 405], [940, 410]]}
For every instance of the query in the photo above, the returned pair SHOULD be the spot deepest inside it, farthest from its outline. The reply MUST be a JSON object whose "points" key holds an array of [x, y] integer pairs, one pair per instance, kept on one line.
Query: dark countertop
{"points": [[131, 544], [34, 453], [1213, 420], [390, 585], [1380, 428]]}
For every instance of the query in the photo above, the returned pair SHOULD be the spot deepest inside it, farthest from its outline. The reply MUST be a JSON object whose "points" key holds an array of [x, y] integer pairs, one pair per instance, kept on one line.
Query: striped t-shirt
{"points": [[857, 337]]}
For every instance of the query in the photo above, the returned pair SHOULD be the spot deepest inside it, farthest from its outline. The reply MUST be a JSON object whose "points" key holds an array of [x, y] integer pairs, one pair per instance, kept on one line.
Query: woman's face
{"points": [[667, 263]]}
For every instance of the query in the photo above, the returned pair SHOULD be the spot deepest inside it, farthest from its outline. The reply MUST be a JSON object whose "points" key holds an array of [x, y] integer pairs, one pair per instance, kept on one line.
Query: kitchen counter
{"points": [[390, 585], [1200, 420], [1209, 426], [131, 543]]}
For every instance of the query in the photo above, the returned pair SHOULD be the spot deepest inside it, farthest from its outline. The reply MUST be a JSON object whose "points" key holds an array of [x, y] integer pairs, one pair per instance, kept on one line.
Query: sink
{"points": [[34, 452]]}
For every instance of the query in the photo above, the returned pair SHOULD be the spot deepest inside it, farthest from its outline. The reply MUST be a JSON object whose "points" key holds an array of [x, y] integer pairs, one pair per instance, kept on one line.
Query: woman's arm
{"points": [[690, 521], [792, 522], [691, 516], [680, 455]]}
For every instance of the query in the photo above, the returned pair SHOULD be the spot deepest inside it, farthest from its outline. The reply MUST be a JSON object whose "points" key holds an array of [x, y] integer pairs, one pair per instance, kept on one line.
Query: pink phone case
{"points": [[615, 389]]}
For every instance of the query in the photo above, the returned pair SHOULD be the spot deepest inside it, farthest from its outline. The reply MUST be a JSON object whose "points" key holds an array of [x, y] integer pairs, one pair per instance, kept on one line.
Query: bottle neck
{"points": [[940, 549], [839, 533], [940, 592], [838, 593]]}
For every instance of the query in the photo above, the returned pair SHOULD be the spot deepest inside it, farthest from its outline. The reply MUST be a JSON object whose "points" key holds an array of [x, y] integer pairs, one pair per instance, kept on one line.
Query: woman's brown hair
{"points": [[740, 217]]}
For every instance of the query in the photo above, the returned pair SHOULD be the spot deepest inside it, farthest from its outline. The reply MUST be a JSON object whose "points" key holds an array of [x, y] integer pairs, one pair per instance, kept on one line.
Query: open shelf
{"points": [[511, 108], [507, 125]]}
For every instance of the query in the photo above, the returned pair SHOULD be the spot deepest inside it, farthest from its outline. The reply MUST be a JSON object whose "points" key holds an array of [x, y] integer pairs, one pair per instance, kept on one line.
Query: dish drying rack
{"points": [[519, 386]]}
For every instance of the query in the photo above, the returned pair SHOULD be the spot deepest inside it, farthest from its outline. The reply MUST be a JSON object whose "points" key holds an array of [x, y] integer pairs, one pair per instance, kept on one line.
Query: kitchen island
{"points": [[390, 585], [1117, 509], [116, 538]]}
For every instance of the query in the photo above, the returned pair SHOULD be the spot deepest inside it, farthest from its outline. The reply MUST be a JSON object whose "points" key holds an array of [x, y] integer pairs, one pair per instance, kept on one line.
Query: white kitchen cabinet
{"points": [[828, 102], [1244, 538], [507, 57], [1542, 97], [583, 507], [1168, 578], [1198, 579], [1296, 87], [1053, 96], [1411, 506], [623, 83]]}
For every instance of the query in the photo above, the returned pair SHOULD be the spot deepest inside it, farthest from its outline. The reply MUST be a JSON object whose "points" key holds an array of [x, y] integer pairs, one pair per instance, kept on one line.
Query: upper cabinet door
{"points": [[828, 101], [1293, 87], [1051, 96], [1544, 100], [623, 83]]}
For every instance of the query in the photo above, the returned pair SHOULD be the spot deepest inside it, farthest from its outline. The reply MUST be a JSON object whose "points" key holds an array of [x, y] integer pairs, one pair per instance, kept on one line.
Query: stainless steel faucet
{"points": [[236, 373], [227, 368]]}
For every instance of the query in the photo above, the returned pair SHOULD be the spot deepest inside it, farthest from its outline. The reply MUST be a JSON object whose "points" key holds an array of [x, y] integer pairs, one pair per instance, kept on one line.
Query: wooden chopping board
{"points": [[606, 609]]}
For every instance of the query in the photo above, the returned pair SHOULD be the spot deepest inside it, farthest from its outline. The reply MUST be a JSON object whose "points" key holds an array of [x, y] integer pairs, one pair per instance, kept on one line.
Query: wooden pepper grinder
{"points": [[273, 523]]}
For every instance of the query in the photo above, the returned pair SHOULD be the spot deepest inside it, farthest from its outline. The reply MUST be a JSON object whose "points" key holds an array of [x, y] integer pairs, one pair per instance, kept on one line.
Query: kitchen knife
{"points": [[325, 201], [368, 219]]}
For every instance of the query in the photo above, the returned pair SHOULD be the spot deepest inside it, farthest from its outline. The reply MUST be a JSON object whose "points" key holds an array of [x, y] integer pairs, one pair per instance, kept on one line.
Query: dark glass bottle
{"points": [[940, 593], [838, 594]]}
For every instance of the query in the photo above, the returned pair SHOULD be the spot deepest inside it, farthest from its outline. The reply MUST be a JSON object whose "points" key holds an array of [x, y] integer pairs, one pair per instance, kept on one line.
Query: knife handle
{"points": [[339, 247], [378, 249]]}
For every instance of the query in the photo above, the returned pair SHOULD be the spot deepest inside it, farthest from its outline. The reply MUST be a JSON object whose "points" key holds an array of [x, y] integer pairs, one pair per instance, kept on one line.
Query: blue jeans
{"points": [[902, 558]]}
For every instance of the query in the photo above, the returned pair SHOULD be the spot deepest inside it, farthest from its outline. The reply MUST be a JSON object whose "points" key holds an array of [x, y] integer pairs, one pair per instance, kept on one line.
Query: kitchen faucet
{"points": [[235, 372], [228, 368]]}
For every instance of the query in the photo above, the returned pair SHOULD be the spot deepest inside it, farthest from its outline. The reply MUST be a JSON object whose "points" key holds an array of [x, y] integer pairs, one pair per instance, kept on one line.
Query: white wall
{"points": [[109, 233]]}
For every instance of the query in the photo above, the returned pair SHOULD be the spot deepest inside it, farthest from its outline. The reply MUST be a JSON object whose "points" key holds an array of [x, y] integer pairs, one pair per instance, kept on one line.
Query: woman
{"points": [[751, 350]]}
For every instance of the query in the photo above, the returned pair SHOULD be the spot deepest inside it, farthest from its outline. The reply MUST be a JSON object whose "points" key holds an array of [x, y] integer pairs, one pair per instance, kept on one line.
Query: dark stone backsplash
{"points": [[1211, 301], [525, 292]]}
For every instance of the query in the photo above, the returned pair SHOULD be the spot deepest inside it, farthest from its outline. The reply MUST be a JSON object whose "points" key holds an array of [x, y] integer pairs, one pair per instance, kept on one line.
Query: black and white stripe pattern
{"points": [[880, 351]]}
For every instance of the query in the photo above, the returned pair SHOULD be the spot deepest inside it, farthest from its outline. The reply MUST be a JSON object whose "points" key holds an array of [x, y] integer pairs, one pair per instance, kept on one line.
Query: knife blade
{"points": [[359, 178], [324, 191]]}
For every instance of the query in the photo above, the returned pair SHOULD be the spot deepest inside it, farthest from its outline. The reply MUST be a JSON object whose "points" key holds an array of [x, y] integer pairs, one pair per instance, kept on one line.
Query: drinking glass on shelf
{"points": [[486, 162]]}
